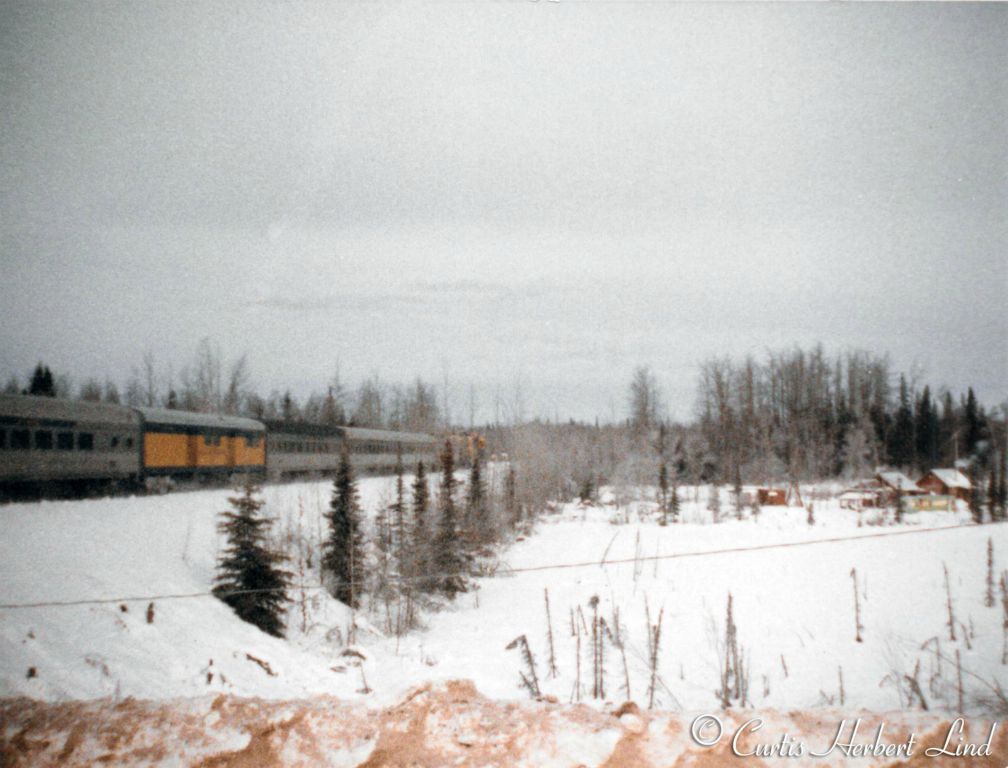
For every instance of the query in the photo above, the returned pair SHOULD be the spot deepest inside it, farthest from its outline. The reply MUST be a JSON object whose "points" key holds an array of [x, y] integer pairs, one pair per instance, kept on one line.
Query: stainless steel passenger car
{"points": [[295, 448], [374, 450], [301, 449], [47, 441]]}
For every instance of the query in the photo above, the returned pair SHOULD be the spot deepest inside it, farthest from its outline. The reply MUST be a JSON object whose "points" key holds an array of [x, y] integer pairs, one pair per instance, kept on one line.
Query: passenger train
{"points": [[60, 446]]}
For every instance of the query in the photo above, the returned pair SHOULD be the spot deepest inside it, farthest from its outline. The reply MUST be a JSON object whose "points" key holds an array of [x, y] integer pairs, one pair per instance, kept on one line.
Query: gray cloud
{"points": [[559, 189]]}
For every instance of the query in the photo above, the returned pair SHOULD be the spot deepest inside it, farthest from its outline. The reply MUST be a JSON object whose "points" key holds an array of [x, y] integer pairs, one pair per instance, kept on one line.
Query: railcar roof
{"points": [[191, 419], [35, 407], [360, 433], [279, 426]]}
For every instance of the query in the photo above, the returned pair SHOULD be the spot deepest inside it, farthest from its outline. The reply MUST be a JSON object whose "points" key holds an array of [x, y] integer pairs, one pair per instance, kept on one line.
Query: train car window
{"points": [[85, 441], [114, 442], [64, 441], [252, 442], [129, 442], [43, 440], [20, 439], [3, 439]]}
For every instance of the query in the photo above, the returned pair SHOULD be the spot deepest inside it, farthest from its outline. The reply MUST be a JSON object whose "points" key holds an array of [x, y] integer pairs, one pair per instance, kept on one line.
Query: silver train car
{"points": [[299, 449], [66, 444]]}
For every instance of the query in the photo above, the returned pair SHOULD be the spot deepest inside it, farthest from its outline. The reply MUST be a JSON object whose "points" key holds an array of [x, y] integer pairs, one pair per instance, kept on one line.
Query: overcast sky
{"points": [[555, 192]]}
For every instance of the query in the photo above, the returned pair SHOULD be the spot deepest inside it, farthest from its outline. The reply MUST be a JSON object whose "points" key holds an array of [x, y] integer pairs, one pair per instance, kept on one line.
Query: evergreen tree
{"points": [[511, 506], [1002, 488], [421, 503], [901, 438], [947, 426], [249, 577], [663, 492], [976, 495], [399, 535], [477, 512], [973, 422], [42, 382], [926, 428], [992, 495], [420, 546], [448, 560], [342, 555], [288, 409]]}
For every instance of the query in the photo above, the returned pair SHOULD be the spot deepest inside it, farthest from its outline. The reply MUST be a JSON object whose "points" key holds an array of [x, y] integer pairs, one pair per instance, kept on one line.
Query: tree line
{"points": [[209, 384], [799, 414], [795, 414]]}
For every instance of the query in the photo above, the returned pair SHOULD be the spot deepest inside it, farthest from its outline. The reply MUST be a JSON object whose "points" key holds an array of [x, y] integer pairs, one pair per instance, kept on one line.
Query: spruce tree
{"points": [[926, 428], [448, 560], [249, 576], [1002, 488], [663, 506], [343, 552], [419, 544], [992, 494], [42, 382], [398, 514], [901, 438], [477, 515], [511, 506], [973, 421], [976, 495]]}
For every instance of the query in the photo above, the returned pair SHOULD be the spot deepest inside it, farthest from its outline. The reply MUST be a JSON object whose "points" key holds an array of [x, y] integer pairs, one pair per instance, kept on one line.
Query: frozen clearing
{"points": [[794, 608]]}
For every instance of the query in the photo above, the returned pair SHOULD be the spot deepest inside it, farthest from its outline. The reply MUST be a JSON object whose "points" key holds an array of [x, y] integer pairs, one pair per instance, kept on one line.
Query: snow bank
{"points": [[793, 605]]}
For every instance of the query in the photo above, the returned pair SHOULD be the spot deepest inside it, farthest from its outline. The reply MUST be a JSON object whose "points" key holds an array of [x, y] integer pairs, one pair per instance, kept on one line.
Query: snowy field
{"points": [[793, 606]]}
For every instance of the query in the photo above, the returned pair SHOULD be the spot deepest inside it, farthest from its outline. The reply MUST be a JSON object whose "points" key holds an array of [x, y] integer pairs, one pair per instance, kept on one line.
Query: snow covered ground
{"points": [[794, 607]]}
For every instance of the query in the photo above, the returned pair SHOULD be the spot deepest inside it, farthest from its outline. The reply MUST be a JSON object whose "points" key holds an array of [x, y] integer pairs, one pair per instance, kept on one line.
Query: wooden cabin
{"points": [[946, 482]]}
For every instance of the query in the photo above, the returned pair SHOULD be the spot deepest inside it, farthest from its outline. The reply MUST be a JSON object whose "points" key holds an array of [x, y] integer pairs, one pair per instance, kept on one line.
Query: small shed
{"points": [[860, 498], [946, 482], [772, 497]]}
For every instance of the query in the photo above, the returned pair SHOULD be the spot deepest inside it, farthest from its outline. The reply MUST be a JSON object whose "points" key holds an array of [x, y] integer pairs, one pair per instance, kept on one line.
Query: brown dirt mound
{"points": [[434, 726]]}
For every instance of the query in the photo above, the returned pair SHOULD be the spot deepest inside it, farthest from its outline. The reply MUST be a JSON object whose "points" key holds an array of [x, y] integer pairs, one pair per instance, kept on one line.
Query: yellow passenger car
{"points": [[186, 444]]}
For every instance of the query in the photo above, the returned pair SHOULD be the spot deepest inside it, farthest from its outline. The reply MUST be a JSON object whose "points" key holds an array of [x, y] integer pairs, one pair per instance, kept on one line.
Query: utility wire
{"points": [[505, 572]]}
